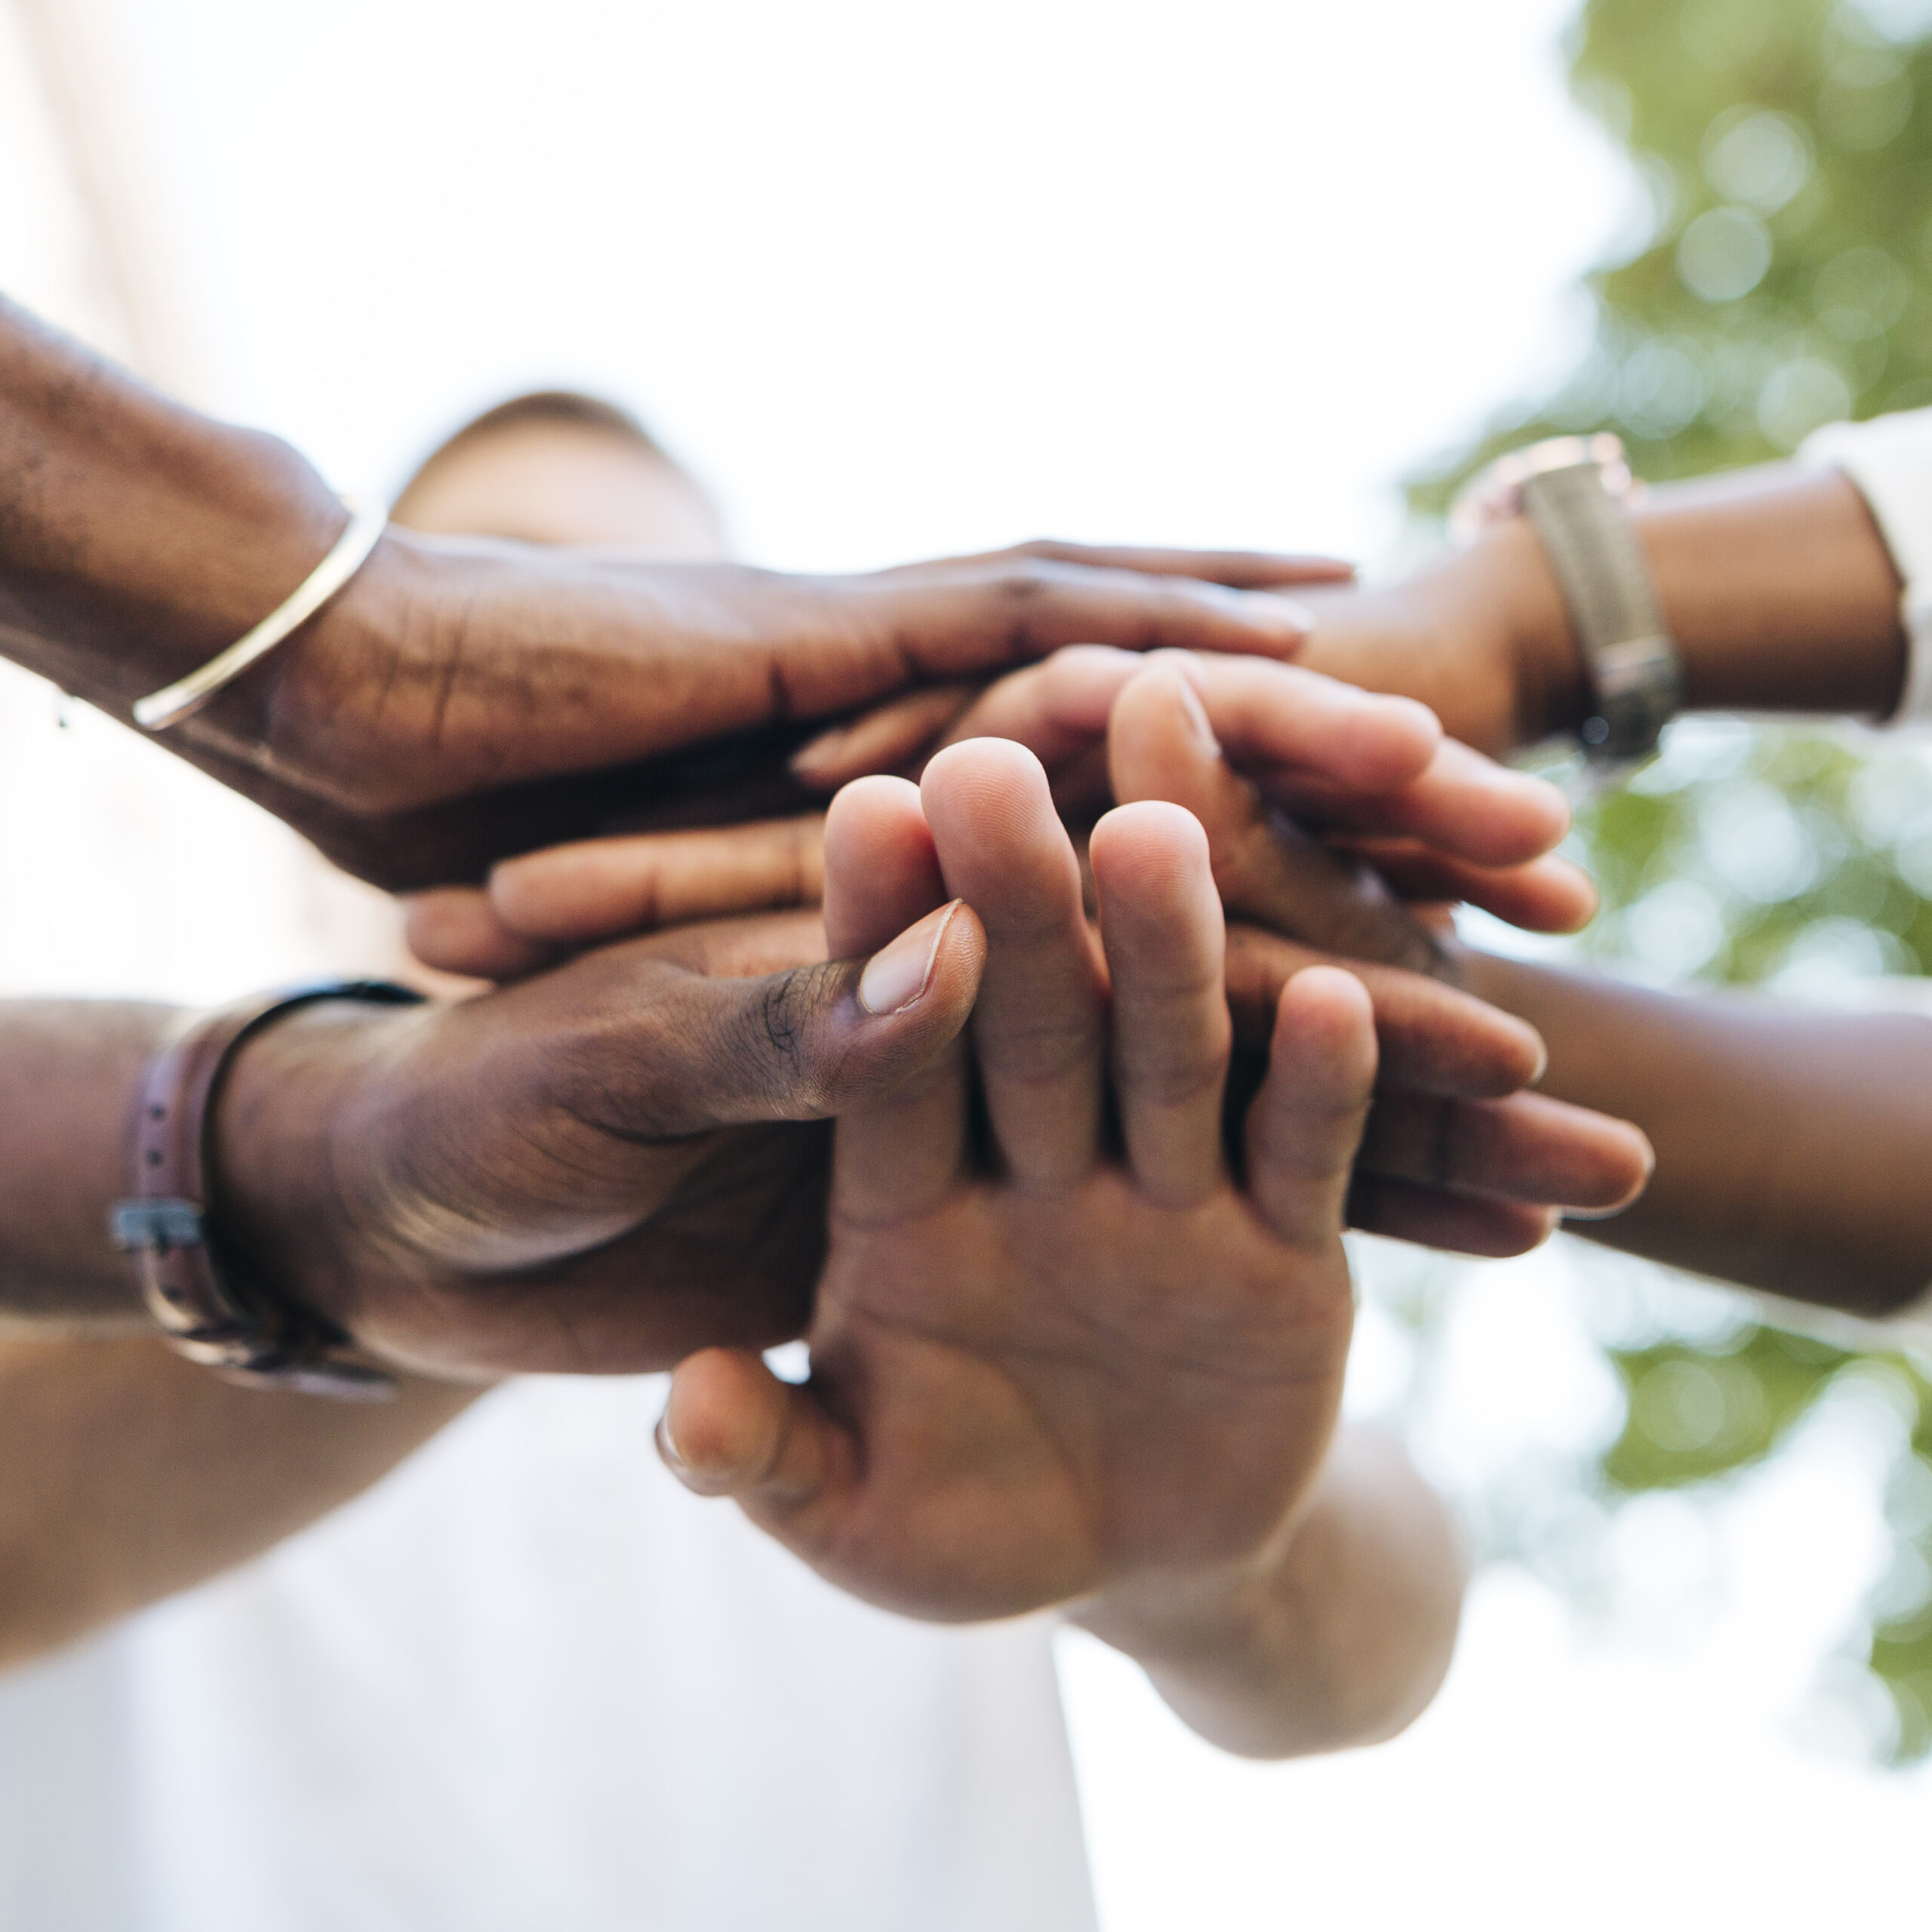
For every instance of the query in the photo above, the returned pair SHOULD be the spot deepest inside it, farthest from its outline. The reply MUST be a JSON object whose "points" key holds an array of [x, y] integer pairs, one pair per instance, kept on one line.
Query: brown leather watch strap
{"points": [[212, 1312]]}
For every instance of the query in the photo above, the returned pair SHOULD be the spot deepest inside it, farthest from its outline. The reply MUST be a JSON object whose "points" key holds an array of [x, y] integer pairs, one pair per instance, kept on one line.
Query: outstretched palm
{"points": [[1041, 1368]]}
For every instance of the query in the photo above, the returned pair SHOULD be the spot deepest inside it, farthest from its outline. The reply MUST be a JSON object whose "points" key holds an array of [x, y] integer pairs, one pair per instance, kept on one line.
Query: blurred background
{"points": [[901, 281]]}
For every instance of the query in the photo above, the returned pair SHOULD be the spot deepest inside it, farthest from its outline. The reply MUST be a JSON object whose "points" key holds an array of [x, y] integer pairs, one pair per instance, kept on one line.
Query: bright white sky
{"points": [[899, 280]]}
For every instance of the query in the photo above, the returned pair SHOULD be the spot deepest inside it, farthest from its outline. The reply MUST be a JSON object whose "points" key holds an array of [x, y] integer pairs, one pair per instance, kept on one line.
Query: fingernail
{"points": [[897, 974], [809, 757], [1298, 614], [1197, 716], [668, 1449]]}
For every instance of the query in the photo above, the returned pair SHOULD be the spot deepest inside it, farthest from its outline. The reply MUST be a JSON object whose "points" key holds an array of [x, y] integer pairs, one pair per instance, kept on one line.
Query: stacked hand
{"points": [[1457, 1155], [1059, 1354], [1043, 1365], [467, 697]]}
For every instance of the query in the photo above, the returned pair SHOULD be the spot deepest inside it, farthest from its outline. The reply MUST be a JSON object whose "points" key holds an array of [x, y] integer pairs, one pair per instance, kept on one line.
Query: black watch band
{"points": [[211, 1311]]}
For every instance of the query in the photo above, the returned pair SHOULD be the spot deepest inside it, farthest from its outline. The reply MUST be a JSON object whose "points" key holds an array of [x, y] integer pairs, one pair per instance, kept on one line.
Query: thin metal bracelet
{"points": [[181, 699]]}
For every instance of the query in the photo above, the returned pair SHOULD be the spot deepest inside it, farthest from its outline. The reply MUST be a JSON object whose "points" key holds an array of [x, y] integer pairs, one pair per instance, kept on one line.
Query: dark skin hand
{"points": [[533, 1180], [466, 698]]}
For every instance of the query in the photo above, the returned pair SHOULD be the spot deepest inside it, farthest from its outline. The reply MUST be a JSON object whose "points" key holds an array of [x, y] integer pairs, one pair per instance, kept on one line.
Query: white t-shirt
{"points": [[528, 1681]]}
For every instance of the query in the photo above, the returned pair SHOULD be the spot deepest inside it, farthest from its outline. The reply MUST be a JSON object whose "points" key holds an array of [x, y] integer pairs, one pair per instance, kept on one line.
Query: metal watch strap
{"points": [[210, 1311], [1632, 666]]}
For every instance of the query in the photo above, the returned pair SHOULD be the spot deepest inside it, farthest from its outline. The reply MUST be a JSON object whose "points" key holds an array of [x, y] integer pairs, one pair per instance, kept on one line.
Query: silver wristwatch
{"points": [[1573, 489]]}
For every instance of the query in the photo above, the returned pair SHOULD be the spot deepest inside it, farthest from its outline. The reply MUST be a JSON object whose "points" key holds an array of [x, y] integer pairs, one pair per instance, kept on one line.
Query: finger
{"points": [[748, 947], [1430, 1037], [881, 869], [889, 737], [1547, 895], [741, 649], [1459, 1223], [1038, 1034], [1464, 804], [454, 929], [1161, 924], [939, 622], [1057, 707], [1244, 569], [1305, 1123], [1058, 710], [1527, 1148], [891, 1159], [732, 1428], [1160, 745], [1280, 716], [653, 1049], [600, 888]]}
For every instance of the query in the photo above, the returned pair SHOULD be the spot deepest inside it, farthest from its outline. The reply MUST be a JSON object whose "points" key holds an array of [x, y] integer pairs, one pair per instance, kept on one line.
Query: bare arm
{"points": [[67, 1072], [460, 699], [1793, 1147], [1775, 582], [1343, 1639], [132, 1474]]}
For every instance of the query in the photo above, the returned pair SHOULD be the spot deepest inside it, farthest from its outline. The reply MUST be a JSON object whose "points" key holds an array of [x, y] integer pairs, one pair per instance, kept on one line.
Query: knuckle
{"points": [[1029, 579], [783, 1043]]}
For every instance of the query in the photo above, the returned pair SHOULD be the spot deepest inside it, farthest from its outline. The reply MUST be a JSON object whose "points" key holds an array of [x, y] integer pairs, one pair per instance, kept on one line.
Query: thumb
{"points": [[731, 1428], [808, 1043]]}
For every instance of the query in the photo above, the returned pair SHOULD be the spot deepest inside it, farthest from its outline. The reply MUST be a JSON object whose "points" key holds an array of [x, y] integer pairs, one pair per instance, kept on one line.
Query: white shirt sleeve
{"points": [[1890, 460], [1905, 1330]]}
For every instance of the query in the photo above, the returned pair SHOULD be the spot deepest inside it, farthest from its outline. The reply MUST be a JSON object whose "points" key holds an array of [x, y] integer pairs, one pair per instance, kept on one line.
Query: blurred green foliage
{"points": [[1785, 147]]}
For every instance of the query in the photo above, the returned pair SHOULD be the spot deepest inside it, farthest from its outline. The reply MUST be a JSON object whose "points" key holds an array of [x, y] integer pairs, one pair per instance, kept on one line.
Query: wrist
{"points": [[1214, 1617], [152, 537], [1526, 612], [293, 1149]]}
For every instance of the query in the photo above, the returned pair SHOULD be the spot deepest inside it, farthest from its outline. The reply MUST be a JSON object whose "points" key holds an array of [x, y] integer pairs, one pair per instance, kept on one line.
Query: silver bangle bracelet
{"points": [[161, 709]]}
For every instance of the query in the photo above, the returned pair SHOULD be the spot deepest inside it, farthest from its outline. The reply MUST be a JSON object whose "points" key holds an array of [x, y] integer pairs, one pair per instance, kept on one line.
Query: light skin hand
{"points": [[1443, 1161], [1059, 1375]]}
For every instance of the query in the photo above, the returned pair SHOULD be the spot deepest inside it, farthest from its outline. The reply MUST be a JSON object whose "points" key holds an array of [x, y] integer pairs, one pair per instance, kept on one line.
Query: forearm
{"points": [[1774, 582], [1779, 590], [1792, 1147], [132, 1474], [68, 1071], [137, 538], [1340, 1639]]}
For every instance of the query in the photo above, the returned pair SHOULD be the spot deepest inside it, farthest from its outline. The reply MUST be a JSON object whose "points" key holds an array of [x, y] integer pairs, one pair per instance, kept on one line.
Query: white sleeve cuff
{"points": [[1906, 1330], [1889, 460]]}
